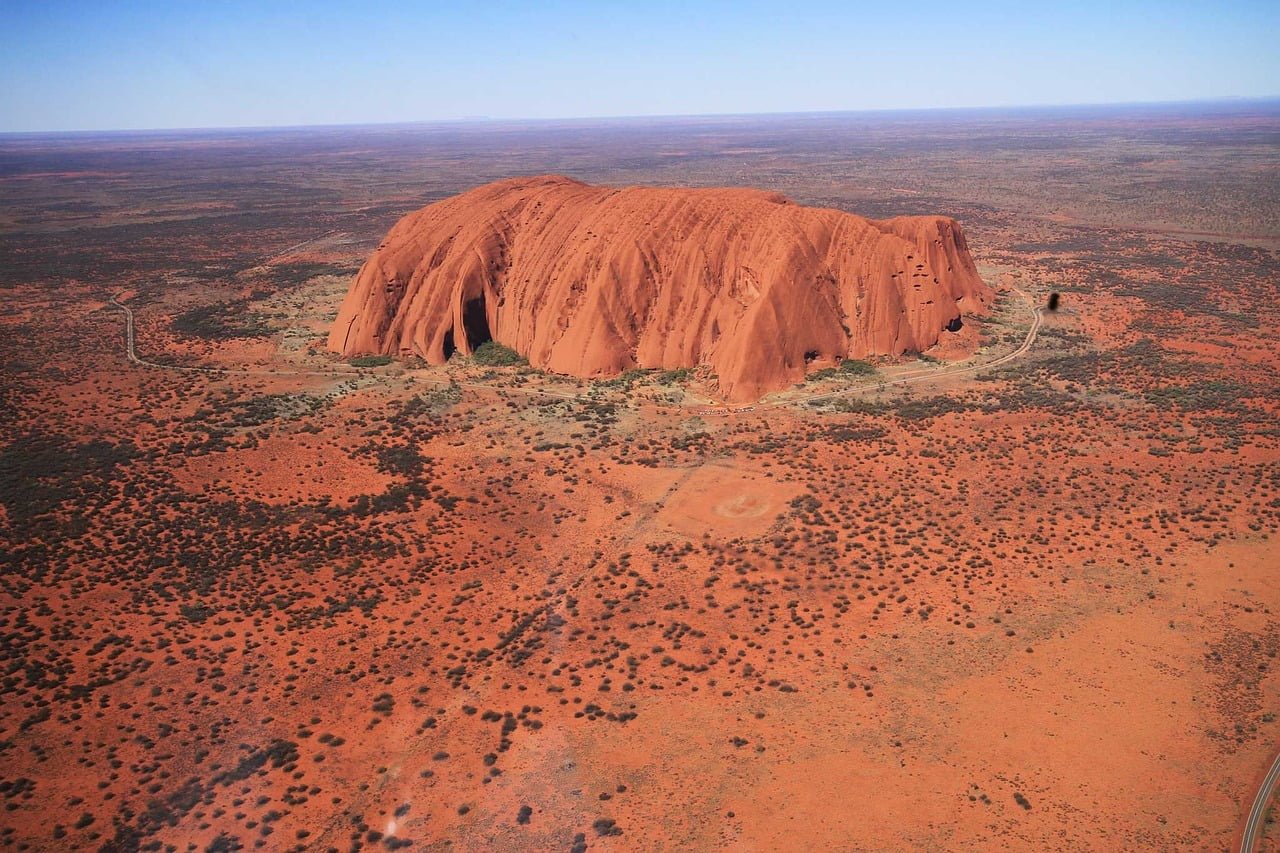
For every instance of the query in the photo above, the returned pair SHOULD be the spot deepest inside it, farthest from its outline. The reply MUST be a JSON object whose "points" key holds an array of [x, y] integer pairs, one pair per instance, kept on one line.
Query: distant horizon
{"points": [[1222, 101], [137, 65]]}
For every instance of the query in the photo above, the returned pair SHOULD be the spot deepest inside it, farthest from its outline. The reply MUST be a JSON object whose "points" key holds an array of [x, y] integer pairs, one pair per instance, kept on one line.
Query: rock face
{"points": [[591, 281]]}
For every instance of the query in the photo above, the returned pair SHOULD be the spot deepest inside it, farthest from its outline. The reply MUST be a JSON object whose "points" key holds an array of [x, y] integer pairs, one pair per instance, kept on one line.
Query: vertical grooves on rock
{"points": [[590, 280]]}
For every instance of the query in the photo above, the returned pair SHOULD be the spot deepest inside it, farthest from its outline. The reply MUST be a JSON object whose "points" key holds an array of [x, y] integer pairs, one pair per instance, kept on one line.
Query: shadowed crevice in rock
{"points": [[475, 322]]}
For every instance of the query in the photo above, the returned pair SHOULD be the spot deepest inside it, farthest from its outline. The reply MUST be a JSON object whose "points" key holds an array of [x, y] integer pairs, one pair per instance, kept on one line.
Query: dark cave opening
{"points": [[475, 323], [449, 348], [955, 325]]}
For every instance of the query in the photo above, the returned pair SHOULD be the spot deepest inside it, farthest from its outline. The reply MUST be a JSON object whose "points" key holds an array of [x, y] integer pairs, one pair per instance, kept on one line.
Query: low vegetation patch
{"points": [[857, 367], [847, 368], [673, 377], [221, 321], [494, 354], [266, 408], [370, 361]]}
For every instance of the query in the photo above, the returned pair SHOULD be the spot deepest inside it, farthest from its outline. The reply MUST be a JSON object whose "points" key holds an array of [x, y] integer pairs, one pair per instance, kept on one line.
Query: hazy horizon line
{"points": [[528, 120]]}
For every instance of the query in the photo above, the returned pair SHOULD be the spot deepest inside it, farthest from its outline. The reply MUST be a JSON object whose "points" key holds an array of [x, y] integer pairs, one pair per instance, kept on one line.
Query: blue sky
{"points": [[68, 65]]}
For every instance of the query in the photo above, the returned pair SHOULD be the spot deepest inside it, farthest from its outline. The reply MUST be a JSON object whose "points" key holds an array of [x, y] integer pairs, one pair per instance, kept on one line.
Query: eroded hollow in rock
{"points": [[475, 323]]}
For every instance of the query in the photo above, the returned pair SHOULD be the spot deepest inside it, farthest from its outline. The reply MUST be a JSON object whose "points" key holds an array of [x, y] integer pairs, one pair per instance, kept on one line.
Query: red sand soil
{"points": [[763, 631], [313, 606]]}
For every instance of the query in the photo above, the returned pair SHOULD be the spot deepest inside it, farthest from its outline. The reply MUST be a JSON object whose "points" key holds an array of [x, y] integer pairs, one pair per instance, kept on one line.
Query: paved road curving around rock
{"points": [[1037, 317], [1254, 824], [131, 352], [705, 409]]}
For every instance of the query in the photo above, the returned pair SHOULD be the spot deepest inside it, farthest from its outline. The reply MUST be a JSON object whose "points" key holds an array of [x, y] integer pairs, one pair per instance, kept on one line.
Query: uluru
{"points": [[591, 281]]}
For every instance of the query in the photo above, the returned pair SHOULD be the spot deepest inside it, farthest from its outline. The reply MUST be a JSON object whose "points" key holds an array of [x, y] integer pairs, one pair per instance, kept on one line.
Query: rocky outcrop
{"points": [[590, 281]]}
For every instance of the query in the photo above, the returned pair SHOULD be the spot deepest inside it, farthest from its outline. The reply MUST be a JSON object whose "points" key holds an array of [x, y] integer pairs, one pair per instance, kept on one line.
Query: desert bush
{"points": [[39, 472], [857, 367], [494, 354], [221, 321], [287, 275], [265, 408], [370, 361], [606, 826], [433, 402], [862, 407], [400, 460]]}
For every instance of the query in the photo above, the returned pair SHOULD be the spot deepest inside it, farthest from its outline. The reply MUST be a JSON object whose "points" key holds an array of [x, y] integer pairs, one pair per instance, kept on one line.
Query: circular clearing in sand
{"points": [[742, 506]]}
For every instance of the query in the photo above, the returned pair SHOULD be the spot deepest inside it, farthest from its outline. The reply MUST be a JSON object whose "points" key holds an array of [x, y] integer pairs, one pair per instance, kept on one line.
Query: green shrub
{"points": [[856, 367], [370, 361], [221, 321], [494, 354], [861, 407], [626, 378]]}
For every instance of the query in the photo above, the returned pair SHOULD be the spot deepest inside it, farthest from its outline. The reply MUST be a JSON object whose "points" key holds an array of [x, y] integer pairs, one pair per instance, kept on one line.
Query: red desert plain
{"points": [[854, 482]]}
